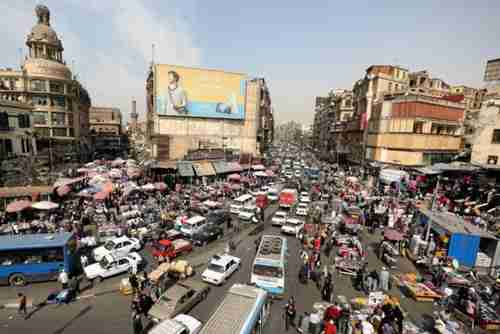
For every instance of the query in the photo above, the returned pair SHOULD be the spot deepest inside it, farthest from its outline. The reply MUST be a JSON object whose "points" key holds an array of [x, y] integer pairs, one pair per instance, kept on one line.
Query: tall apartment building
{"points": [[344, 110], [105, 121]]}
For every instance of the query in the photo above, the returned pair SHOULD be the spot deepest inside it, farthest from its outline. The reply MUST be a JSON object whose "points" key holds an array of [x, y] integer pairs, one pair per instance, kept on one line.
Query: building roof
{"points": [[25, 241]]}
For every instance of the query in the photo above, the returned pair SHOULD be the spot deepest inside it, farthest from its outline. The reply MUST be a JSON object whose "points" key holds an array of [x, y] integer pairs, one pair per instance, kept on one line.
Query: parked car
{"points": [[218, 216], [279, 218], [170, 249], [181, 324], [247, 212], [210, 233], [292, 226], [110, 266], [220, 268], [179, 298], [117, 247]]}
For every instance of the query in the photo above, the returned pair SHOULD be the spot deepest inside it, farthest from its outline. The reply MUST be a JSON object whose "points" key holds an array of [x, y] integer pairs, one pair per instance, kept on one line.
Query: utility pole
{"points": [[433, 208]]}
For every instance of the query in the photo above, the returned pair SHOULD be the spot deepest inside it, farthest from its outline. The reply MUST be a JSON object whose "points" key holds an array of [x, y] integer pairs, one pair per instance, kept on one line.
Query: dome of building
{"points": [[46, 68], [42, 31]]}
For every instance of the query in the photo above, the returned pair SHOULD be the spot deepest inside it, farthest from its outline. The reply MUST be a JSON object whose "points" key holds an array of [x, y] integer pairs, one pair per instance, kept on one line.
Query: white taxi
{"points": [[279, 218], [302, 209], [220, 268], [110, 266], [292, 226], [117, 247]]}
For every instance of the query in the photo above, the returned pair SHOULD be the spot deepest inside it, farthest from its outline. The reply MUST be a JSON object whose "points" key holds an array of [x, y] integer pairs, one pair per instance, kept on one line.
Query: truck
{"points": [[170, 249], [288, 198]]}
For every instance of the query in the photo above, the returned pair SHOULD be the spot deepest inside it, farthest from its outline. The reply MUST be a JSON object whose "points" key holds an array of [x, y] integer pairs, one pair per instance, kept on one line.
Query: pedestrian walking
{"points": [[137, 323], [63, 279], [384, 277], [22, 309], [290, 313], [134, 283], [84, 260]]}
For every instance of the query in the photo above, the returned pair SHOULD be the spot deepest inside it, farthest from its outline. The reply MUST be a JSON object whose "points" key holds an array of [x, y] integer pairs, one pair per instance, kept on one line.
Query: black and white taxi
{"points": [[220, 268]]}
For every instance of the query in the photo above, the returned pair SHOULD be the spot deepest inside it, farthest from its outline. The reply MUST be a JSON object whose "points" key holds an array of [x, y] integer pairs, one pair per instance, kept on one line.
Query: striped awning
{"points": [[203, 168]]}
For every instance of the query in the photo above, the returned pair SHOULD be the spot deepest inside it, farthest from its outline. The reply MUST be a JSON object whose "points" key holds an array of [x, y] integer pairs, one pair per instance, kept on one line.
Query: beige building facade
{"points": [[45, 82], [105, 120], [486, 141], [16, 131]]}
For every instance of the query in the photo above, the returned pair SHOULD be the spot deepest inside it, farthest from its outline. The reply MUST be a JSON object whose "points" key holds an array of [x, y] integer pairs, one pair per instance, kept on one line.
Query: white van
{"points": [[193, 225], [240, 202]]}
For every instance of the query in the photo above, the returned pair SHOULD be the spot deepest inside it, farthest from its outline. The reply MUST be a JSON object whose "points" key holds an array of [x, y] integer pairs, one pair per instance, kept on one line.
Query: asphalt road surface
{"points": [[110, 311]]}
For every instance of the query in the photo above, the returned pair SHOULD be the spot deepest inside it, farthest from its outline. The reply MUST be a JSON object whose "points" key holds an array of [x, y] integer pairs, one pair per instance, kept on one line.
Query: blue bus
{"points": [[314, 173], [36, 257], [244, 310], [269, 266]]}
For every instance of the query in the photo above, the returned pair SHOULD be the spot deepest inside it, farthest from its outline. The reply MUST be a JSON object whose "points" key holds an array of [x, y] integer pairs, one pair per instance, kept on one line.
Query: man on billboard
{"points": [[177, 98]]}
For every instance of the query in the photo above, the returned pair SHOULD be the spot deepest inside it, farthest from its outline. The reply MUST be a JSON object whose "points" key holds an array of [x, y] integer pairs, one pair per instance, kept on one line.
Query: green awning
{"points": [[221, 167], [185, 168]]}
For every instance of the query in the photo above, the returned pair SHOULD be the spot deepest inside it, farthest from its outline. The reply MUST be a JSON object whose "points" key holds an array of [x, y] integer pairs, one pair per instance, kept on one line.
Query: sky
{"points": [[302, 48]]}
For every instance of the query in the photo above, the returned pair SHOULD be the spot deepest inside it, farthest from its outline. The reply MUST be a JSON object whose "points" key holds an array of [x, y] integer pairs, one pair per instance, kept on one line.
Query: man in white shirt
{"points": [[176, 95], [64, 279]]}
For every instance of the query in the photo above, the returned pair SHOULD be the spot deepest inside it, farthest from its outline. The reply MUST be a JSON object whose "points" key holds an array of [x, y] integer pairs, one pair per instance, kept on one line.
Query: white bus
{"points": [[269, 267], [244, 310], [240, 202]]}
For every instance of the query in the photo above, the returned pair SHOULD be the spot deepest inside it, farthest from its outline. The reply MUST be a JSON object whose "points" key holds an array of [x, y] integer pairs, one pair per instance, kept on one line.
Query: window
{"points": [[418, 127], [59, 132], [59, 101], [396, 87], [24, 121], [5, 147], [42, 132], [70, 119], [38, 85], [40, 118], [71, 132], [496, 137], [492, 159], [390, 87], [58, 118], [40, 100], [56, 87]]}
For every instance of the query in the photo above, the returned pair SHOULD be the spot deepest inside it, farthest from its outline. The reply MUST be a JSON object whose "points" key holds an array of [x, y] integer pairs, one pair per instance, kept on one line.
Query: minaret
{"points": [[134, 117]]}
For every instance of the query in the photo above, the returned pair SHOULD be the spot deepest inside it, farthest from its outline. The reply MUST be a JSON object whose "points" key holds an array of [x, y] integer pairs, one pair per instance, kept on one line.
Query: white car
{"points": [[288, 175], [272, 195], [181, 324], [279, 218], [302, 209], [117, 247], [304, 198], [110, 266], [264, 188], [220, 268], [247, 212], [292, 226], [298, 173]]}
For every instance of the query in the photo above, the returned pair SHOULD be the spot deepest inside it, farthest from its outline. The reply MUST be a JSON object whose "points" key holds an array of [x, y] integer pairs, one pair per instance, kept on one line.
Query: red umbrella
{"points": [[64, 190], [100, 196], [234, 177], [18, 206]]}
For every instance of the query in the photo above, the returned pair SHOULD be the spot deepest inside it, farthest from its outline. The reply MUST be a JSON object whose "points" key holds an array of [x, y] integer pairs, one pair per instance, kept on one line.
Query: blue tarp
{"points": [[464, 247]]}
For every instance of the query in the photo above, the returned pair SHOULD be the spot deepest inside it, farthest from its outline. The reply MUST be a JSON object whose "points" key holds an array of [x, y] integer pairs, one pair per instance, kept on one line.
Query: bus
{"points": [[244, 310], [269, 266], [36, 257]]}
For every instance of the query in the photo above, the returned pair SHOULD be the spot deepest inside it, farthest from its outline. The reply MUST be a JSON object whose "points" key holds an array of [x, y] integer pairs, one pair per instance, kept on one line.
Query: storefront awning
{"points": [[221, 167], [203, 168], [164, 165], [185, 168], [234, 167]]}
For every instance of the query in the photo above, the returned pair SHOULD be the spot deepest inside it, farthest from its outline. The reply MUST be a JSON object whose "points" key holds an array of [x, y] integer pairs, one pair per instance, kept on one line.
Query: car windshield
{"points": [[110, 245], [267, 271], [215, 267], [247, 210]]}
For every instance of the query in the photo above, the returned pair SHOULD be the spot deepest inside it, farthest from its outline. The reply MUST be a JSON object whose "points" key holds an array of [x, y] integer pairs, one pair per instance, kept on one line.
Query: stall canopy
{"points": [[18, 206], [260, 174], [234, 177], [234, 167], [203, 168], [221, 167], [185, 168], [168, 164], [258, 167], [269, 173], [45, 205]]}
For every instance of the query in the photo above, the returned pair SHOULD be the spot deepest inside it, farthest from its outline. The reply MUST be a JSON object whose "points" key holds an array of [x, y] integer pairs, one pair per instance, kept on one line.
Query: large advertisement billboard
{"points": [[193, 92]]}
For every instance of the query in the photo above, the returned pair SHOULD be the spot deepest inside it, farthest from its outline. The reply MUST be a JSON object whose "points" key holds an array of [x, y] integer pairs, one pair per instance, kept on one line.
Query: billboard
{"points": [[193, 92], [492, 72]]}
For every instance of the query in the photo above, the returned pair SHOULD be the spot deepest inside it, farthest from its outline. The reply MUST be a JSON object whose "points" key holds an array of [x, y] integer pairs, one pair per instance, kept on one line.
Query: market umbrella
{"points": [[64, 190], [161, 186], [18, 206], [258, 167], [234, 177], [148, 187], [45, 205], [392, 235], [245, 179], [269, 173], [260, 174], [100, 196], [235, 187]]}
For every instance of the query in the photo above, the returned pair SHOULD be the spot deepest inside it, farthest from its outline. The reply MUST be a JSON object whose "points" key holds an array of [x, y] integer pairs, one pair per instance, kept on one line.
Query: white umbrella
{"points": [[148, 187], [45, 205], [260, 173]]}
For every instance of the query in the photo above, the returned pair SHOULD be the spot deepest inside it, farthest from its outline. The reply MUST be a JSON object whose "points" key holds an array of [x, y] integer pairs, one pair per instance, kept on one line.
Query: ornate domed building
{"points": [[45, 82]]}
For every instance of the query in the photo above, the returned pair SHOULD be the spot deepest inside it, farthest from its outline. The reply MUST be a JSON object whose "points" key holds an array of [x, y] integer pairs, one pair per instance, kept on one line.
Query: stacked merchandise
{"points": [[483, 260]]}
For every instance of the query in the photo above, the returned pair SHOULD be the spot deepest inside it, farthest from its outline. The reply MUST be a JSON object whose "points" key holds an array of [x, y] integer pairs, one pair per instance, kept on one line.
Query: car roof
{"points": [[222, 259], [120, 239], [293, 220], [281, 213]]}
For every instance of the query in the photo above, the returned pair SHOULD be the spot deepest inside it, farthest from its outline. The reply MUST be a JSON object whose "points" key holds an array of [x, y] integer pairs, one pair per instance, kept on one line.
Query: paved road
{"points": [[109, 313]]}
